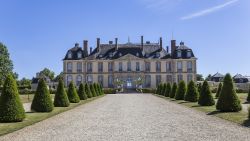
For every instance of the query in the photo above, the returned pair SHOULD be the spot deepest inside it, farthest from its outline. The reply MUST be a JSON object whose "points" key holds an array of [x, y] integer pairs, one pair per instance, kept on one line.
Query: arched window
{"points": [[78, 80], [137, 54], [69, 54], [69, 79]]}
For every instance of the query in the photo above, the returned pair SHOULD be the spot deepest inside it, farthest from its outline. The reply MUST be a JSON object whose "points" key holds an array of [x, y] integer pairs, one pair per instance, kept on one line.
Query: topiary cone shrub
{"points": [[97, 89], [168, 90], [61, 98], [81, 92], [163, 92], [101, 89], [181, 90], [92, 89], [11, 107], [248, 96], [206, 98], [157, 89], [87, 90], [161, 88], [72, 93], [228, 100], [192, 92], [42, 100], [173, 90], [199, 88], [218, 90]]}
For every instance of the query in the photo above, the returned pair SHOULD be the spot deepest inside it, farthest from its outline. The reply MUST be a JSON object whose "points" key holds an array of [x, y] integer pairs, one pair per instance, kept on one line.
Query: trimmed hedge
{"points": [[218, 90], [42, 100], [72, 93], [148, 90], [173, 91], [88, 91], [82, 93], [109, 91], [92, 89], [206, 98], [163, 92], [61, 98], [11, 107], [228, 100], [192, 93], [97, 89], [161, 89], [181, 90]]}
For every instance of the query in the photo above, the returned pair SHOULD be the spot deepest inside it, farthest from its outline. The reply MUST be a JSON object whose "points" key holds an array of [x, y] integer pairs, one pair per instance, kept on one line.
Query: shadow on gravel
{"points": [[246, 123], [246, 102], [183, 102], [213, 113], [197, 106]]}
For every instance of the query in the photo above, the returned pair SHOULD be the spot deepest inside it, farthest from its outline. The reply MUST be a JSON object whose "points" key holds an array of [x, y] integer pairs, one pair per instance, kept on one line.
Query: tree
{"points": [[161, 91], [42, 101], [180, 93], [11, 108], [82, 93], [6, 65], [248, 96], [228, 100], [72, 93], [199, 77], [92, 89], [168, 90], [192, 93], [88, 91], [47, 72], [218, 90], [208, 78], [24, 82], [101, 89], [96, 89], [58, 77], [206, 98], [61, 98], [199, 88], [173, 90]]}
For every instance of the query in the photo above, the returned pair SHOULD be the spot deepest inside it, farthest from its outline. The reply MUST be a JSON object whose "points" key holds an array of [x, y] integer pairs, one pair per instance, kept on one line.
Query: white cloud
{"points": [[209, 10]]}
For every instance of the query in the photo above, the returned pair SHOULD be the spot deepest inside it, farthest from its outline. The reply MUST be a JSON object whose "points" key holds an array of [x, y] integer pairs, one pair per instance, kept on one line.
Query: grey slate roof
{"points": [[218, 75]]}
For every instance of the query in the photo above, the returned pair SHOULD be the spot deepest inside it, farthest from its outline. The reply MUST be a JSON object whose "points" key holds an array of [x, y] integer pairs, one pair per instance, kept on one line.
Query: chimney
{"points": [[173, 47], [167, 49], [85, 47], [98, 44], [142, 42], [161, 43], [116, 43], [90, 49], [76, 45]]}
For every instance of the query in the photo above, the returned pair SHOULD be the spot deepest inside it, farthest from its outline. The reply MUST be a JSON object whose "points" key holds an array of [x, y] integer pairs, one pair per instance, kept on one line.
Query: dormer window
{"points": [[178, 54], [110, 55], [147, 55], [137, 54], [120, 54], [79, 55], [70, 55], [158, 54], [189, 54], [100, 55]]}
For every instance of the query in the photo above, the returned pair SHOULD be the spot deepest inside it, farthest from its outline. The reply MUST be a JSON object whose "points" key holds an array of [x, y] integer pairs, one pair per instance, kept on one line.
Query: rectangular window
{"points": [[180, 78], [100, 67], [69, 67], [168, 67], [147, 66], [158, 66], [179, 54], [137, 66], [189, 77], [89, 67], [179, 66], [100, 79], [110, 81], [189, 66], [158, 80], [120, 66], [90, 79], [129, 66], [79, 67], [169, 78], [110, 66], [147, 81]]}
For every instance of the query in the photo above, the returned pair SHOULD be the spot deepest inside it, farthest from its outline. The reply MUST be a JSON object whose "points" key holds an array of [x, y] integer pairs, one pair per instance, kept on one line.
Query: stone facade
{"points": [[129, 65]]}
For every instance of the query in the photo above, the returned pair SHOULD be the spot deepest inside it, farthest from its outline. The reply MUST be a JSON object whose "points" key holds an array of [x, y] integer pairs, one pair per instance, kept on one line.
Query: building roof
{"points": [[218, 75], [238, 76], [149, 51]]}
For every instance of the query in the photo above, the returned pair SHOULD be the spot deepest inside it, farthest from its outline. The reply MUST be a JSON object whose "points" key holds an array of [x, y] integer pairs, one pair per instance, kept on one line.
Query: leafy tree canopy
{"points": [[47, 72]]}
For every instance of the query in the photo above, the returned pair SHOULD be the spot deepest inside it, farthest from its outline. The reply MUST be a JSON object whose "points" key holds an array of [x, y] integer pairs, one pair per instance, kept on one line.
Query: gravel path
{"points": [[131, 117]]}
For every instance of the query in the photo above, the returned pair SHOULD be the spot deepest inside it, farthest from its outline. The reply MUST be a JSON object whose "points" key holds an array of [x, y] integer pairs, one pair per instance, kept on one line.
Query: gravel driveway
{"points": [[131, 117]]}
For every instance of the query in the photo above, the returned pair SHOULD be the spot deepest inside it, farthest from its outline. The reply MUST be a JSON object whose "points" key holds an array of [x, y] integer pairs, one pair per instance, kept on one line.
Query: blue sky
{"points": [[39, 32]]}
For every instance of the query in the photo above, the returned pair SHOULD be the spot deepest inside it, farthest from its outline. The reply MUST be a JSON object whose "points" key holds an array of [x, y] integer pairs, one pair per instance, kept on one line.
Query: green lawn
{"points": [[32, 118], [236, 117]]}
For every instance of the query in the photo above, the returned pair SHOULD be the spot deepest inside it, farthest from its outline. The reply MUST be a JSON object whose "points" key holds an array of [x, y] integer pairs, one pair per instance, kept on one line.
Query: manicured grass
{"points": [[32, 118], [236, 117], [28, 98]]}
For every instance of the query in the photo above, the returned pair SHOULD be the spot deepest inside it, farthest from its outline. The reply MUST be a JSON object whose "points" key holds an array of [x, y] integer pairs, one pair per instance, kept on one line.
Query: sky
{"points": [[38, 33]]}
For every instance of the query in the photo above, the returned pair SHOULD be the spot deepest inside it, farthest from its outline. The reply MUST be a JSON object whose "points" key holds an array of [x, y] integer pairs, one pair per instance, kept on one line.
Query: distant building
{"points": [[238, 78], [129, 63], [217, 77], [51, 84]]}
